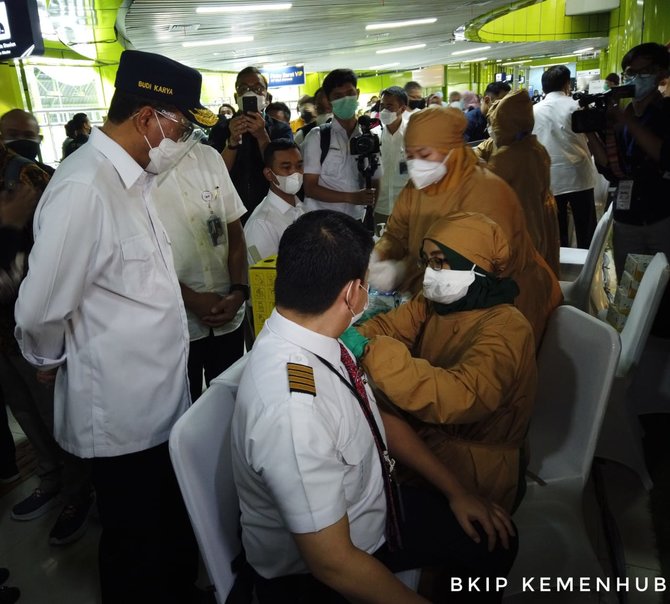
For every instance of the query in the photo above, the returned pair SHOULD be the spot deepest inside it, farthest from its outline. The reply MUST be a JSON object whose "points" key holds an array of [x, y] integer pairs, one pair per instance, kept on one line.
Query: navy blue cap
{"points": [[159, 79]]}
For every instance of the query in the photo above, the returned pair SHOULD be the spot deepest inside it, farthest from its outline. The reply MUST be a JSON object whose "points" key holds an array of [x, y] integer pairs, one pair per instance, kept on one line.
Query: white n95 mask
{"points": [[446, 286], [387, 117], [289, 184], [424, 172]]}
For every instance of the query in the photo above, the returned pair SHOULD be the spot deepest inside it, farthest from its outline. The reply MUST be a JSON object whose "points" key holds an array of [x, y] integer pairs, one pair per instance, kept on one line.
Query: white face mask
{"points": [[424, 172], [168, 153], [356, 316], [386, 116], [289, 184], [446, 286], [260, 99]]}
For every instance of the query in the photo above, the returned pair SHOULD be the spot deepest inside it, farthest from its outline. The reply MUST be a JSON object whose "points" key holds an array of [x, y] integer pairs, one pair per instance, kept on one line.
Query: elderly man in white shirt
{"points": [[201, 210], [101, 309], [572, 170], [334, 182], [281, 207], [393, 106]]}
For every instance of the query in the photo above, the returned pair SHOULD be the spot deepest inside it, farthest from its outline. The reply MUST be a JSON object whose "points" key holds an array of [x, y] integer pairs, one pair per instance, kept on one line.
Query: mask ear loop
{"points": [[474, 272], [159, 126]]}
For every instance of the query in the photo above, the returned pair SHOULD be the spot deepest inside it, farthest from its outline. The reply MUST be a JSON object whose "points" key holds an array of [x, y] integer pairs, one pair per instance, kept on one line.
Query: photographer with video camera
{"points": [[336, 178], [629, 154]]}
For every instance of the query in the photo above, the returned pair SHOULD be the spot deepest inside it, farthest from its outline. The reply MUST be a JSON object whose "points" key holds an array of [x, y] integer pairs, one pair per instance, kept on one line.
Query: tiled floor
{"points": [[68, 575]]}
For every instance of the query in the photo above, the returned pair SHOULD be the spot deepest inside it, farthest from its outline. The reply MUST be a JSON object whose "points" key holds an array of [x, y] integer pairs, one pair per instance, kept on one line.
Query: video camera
{"points": [[366, 143], [593, 117]]}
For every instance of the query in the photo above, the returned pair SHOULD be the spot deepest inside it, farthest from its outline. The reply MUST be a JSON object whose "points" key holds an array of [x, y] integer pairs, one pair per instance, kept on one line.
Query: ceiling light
{"points": [[469, 50], [474, 60], [583, 50], [400, 48], [394, 24], [220, 42], [242, 8], [517, 62], [384, 66]]}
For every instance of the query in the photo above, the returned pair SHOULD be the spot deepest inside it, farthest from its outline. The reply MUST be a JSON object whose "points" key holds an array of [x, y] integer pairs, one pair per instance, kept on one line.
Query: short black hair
{"points": [[124, 105], [338, 77], [229, 107], [656, 52], [279, 106], [79, 120], [497, 88], [397, 92], [613, 77], [412, 85], [280, 144], [318, 255], [247, 71], [555, 78]]}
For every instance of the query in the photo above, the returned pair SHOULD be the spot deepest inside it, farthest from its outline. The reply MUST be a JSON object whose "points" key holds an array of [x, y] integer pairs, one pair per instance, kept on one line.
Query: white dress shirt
{"points": [[267, 224], [302, 462], [394, 165], [339, 171], [102, 302], [197, 187], [572, 168]]}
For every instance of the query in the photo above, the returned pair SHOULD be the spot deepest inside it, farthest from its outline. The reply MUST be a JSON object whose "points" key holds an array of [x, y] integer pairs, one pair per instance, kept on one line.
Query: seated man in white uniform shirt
{"points": [[321, 519], [101, 307], [281, 206], [334, 182], [201, 210]]}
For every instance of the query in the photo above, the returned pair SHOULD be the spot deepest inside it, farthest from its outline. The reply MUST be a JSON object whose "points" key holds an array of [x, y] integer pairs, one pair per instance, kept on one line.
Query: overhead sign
{"points": [[286, 76], [20, 34]]}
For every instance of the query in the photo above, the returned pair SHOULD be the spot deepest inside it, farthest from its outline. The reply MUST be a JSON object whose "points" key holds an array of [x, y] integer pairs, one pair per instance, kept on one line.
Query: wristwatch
{"points": [[229, 146], [240, 287]]}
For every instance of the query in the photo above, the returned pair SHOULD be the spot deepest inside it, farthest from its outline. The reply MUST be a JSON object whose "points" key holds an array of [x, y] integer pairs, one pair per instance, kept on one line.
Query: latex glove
{"points": [[354, 341], [386, 275]]}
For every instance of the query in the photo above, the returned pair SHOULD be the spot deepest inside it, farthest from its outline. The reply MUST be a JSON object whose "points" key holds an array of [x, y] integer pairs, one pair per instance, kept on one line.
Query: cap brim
{"points": [[201, 116]]}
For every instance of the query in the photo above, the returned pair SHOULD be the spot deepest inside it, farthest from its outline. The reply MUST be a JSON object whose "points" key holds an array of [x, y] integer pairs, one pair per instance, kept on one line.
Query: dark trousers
{"points": [[583, 207], [7, 448], [147, 553], [212, 355], [431, 536]]}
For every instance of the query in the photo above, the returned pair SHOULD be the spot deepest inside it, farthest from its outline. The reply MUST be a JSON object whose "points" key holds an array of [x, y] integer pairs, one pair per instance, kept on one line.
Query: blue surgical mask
{"points": [[345, 108], [644, 84]]}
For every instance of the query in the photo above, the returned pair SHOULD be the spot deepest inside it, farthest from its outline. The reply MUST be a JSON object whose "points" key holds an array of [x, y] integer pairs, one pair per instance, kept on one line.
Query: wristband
{"points": [[240, 287], [229, 146]]}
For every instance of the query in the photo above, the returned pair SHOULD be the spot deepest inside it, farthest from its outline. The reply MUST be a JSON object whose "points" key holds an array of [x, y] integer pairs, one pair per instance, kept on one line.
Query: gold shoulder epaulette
{"points": [[301, 378]]}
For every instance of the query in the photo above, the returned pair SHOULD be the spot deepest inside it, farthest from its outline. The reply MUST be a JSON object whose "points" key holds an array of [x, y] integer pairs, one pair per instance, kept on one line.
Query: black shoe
{"points": [[9, 595], [4, 575], [72, 522]]}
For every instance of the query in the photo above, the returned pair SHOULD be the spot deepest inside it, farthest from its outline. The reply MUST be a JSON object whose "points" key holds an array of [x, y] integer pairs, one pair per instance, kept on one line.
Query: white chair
{"points": [[576, 364], [200, 453], [620, 438], [578, 292]]}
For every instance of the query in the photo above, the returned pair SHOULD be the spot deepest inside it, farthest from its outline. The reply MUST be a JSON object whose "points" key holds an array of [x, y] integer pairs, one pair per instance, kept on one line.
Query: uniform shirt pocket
{"points": [[356, 458], [138, 252]]}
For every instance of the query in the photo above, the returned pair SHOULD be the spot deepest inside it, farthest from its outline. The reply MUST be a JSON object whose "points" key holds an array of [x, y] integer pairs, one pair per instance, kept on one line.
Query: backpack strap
{"points": [[324, 131]]}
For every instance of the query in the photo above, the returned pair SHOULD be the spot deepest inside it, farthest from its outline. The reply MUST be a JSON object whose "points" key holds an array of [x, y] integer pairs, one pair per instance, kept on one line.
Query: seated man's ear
{"points": [[269, 176]]}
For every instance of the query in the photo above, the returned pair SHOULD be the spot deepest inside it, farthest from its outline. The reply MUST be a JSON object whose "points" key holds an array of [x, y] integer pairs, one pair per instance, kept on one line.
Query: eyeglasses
{"points": [[258, 89], [629, 73], [434, 262], [188, 127]]}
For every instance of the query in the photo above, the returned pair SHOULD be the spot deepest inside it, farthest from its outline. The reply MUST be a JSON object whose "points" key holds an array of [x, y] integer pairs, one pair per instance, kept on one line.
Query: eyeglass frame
{"points": [[189, 127], [434, 262], [244, 88]]}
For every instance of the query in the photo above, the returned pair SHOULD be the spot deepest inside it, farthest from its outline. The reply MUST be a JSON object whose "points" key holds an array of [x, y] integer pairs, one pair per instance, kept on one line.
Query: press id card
{"points": [[624, 193]]}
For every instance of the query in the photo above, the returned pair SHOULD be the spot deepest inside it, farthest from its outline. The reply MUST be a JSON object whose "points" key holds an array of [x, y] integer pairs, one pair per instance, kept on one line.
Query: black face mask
{"points": [[417, 104], [27, 148]]}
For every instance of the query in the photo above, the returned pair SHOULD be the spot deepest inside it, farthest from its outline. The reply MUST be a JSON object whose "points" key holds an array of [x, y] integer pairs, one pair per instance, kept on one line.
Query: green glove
{"points": [[354, 341]]}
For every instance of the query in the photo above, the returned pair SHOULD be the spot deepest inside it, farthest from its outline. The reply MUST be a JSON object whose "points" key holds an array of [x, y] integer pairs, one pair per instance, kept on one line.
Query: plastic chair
{"points": [[577, 293], [620, 439], [200, 453], [576, 364]]}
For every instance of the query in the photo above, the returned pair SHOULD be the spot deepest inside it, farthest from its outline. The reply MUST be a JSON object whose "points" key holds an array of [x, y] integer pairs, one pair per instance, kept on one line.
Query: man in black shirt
{"points": [[242, 140]]}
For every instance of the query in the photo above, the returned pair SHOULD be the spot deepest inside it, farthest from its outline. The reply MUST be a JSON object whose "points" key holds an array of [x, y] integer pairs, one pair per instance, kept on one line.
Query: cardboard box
{"points": [[622, 301], [616, 318], [629, 285], [636, 264], [262, 285]]}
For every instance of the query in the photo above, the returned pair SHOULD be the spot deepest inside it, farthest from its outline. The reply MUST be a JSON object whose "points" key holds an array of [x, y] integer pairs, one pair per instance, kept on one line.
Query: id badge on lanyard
{"points": [[624, 194]]}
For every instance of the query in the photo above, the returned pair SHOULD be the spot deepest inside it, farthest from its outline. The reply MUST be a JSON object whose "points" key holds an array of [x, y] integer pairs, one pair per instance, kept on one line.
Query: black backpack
{"points": [[324, 131]]}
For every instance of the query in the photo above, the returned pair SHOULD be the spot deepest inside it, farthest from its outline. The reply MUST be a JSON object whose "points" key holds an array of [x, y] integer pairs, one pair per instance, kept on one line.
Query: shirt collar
{"points": [[278, 203], [316, 343], [335, 125], [128, 169]]}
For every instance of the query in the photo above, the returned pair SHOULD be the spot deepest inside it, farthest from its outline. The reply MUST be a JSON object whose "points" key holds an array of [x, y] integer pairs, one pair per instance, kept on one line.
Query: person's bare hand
{"points": [[238, 126], [203, 303], [495, 521], [364, 197], [225, 310], [256, 125], [17, 205]]}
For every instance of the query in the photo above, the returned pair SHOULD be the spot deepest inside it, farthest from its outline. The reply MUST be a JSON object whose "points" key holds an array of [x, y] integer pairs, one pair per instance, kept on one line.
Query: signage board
{"points": [[20, 34]]}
